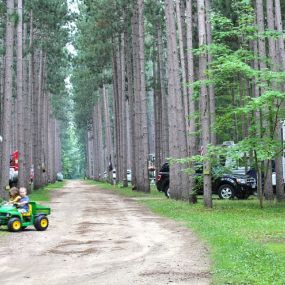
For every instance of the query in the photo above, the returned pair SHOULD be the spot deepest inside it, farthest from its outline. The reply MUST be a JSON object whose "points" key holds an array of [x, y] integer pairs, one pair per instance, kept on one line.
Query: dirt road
{"points": [[96, 237]]}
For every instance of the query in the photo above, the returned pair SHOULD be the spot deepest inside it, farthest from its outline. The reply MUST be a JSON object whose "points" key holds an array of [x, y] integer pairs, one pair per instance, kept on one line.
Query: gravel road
{"points": [[97, 237]]}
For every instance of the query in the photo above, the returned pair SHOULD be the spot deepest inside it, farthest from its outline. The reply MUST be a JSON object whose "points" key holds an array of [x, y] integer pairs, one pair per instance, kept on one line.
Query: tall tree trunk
{"points": [[144, 150], [20, 98], [280, 50], [124, 146], [2, 75], [109, 152], [280, 195], [140, 100], [183, 67], [39, 126], [279, 26], [90, 154], [157, 114], [212, 101], [268, 190], [164, 107], [100, 157], [179, 180], [190, 79], [27, 109], [7, 104], [204, 104], [132, 110], [95, 144]]}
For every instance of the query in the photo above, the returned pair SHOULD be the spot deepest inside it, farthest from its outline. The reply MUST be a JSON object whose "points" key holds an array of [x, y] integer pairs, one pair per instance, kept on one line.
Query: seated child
{"points": [[23, 204], [14, 195]]}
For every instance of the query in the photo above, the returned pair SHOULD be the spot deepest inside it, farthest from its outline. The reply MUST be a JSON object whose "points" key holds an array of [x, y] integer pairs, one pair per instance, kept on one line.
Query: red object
{"points": [[158, 177], [14, 160]]}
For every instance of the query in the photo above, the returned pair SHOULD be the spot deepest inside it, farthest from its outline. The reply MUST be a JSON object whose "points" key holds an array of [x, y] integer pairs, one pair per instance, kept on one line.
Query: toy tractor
{"points": [[15, 221]]}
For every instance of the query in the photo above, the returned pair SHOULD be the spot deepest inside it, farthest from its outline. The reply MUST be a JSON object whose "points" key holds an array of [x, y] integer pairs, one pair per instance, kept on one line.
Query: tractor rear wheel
{"points": [[14, 225], [41, 223]]}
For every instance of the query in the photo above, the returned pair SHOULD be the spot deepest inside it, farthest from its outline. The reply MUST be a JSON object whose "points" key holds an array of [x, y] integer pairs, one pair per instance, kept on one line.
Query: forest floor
{"points": [[98, 237]]}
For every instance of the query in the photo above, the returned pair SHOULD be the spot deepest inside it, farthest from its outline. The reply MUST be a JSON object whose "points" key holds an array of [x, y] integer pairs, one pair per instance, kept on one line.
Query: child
{"points": [[23, 204], [14, 195]]}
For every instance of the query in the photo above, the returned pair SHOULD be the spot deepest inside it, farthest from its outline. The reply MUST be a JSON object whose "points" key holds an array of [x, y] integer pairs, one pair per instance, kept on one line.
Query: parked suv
{"points": [[227, 186]]}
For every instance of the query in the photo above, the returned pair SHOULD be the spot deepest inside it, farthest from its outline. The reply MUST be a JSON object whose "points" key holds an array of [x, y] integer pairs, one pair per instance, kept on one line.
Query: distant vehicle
{"points": [[129, 175], [14, 160], [13, 177], [14, 169], [59, 176], [236, 168], [227, 186]]}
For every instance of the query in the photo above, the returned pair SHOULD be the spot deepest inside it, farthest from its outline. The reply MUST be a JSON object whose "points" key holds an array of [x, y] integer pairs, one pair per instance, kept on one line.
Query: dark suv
{"points": [[227, 186]]}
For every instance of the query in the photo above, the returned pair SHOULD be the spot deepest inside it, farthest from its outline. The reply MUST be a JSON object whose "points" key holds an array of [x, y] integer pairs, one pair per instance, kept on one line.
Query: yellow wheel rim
{"points": [[44, 223], [16, 225]]}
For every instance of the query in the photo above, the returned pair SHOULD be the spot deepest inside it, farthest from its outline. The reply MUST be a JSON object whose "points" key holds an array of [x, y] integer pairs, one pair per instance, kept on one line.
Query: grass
{"points": [[44, 193], [247, 244]]}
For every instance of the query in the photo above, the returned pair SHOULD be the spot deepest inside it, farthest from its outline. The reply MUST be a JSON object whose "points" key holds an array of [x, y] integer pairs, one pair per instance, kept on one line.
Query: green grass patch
{"points": [[44, 193], [247, 244]]}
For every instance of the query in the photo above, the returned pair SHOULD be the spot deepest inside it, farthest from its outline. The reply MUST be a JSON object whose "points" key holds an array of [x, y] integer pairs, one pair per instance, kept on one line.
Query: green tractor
{"points": [[15, 221]]}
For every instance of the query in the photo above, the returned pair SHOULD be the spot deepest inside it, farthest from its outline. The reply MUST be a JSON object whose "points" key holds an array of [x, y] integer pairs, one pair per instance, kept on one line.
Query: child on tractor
{"points": [[14, 195], [23, 204]]}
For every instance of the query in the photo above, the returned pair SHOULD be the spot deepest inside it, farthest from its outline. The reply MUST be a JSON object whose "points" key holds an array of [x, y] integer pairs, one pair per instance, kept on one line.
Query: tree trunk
{"points": [[204, 104], [20, 98], [190, 77], [144, 150], [280, 195], [95, 144], [164, 107], [7, 104], [179, 180], [124, 146], [38, 125], [183, 67], [109, 152], [211, 90], [132, 111], [268, 190], [280, 50], [100, 157], [157, 98], [190, 80], [28, 104]]}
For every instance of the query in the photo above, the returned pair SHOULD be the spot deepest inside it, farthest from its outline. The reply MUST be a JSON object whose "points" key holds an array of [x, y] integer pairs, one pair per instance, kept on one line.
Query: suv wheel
{"points": [[226, 191]]}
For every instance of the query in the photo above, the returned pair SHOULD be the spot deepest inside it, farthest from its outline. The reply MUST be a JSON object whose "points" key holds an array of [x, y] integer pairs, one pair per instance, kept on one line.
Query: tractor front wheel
{"points": [[14, 225], [41, 223]]}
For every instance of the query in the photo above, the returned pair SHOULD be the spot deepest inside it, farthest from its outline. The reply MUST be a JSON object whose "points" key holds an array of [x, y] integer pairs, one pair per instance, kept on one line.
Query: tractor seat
{"points": [[29, 213]]}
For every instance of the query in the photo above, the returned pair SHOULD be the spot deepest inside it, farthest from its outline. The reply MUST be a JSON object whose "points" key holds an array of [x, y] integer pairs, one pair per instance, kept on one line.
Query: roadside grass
{"points": [[247, 244], [44, 193]]}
